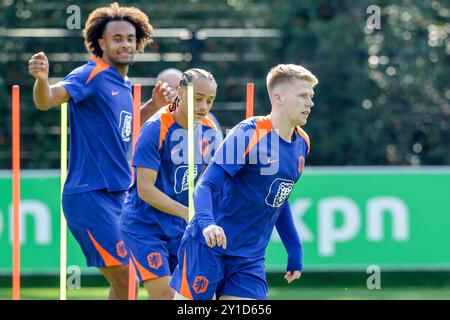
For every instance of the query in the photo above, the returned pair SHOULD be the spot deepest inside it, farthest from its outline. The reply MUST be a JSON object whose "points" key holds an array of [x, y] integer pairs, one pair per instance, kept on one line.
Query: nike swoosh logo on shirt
{"points": [[114, 93], [272, 161]]}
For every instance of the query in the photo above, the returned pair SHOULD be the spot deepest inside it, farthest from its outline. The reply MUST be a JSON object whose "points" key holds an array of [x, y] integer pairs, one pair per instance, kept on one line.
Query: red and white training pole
{"points": [[16, 190], [136, 129]]}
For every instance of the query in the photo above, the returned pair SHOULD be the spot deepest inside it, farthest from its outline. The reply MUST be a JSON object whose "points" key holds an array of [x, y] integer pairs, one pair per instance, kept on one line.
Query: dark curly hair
{"points": [[186, 78], [98, 19]]}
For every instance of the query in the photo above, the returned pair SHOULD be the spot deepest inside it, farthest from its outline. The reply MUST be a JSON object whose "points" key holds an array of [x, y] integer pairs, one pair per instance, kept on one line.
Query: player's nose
{"points": [[201, 106], [126, 44]]}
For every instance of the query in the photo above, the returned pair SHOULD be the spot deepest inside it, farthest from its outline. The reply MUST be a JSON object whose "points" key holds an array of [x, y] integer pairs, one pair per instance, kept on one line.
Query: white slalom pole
{"points": [[191, 149], [63, 223]]}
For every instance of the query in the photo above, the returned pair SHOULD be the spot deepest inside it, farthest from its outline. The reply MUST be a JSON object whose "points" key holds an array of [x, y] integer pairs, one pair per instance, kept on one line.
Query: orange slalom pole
{"points": [[250, 100], [16, 190], [136, 129]]}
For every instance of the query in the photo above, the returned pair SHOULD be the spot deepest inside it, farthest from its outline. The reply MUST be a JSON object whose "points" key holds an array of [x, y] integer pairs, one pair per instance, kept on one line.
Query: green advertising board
{"points": [[40, 215], [348, 219]]}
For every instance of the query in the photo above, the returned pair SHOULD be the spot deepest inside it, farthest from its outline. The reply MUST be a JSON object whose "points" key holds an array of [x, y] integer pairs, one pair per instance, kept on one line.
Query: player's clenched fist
{"points": [[38, 66], [215, 236]]}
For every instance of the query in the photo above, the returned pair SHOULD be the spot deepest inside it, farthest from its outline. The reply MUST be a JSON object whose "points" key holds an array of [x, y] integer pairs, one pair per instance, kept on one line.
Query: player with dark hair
{"points": [[172, 77], [100, 117], [155, 212], [243, 194]]}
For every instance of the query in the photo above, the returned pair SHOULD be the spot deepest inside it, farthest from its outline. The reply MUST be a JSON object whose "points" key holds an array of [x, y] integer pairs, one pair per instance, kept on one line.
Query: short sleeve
{"points": [[76, 84], [147, 152]]}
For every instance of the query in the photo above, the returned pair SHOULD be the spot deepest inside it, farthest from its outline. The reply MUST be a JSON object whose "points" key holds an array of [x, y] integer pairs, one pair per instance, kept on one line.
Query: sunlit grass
{"points": [[275, 293]]}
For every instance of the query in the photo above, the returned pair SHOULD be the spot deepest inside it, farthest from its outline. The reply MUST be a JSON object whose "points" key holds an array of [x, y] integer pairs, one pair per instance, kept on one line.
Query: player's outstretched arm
{"points": [[148, 192], [291, 241], [162, 95], [212, 179], [44, 95]]}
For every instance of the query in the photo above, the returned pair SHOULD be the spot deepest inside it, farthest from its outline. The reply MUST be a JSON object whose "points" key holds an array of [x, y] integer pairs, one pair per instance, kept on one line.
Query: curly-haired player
{"points": [[100, 118]]}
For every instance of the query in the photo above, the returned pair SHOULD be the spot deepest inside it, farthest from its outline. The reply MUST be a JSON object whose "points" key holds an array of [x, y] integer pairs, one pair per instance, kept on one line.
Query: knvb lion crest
{"points": [[154, 260], [301, 164], [121, 251], [181, 178], [125, 125], [279, 191], [200, 284], [203, 146]]}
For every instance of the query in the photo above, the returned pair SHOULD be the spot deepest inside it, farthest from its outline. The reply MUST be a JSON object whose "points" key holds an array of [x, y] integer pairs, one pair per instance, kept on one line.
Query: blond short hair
{"points": [[288, 72]]}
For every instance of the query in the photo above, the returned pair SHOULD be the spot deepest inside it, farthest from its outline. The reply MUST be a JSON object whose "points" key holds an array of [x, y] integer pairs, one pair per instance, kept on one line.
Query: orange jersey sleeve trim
{"points": [[208, 122], [109, 260], [305, 136], [99, 67], [167, 121], [263, 127], [184, 290], [145, 274]]}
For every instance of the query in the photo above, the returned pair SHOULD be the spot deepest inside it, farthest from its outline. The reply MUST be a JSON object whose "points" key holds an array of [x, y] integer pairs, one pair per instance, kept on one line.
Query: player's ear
{"points": [[101, 43], [276, 97]]}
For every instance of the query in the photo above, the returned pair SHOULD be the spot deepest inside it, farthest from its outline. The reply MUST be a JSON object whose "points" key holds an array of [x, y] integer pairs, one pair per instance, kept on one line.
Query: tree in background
{"points": [[383, 94]]}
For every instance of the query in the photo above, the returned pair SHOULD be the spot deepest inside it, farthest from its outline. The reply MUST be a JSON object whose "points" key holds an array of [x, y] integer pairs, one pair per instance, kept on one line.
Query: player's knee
{"points": [[159, 291], [123, 278], [167, 293], [116, 276]]}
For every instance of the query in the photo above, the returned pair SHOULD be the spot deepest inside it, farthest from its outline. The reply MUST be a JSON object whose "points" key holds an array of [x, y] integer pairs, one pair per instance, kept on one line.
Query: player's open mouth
{"points": [[306, 113], [200, 114]]}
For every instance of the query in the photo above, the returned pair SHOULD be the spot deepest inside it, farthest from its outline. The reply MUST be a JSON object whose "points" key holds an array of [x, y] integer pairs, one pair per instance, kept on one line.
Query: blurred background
{"points": [[375, 191]]}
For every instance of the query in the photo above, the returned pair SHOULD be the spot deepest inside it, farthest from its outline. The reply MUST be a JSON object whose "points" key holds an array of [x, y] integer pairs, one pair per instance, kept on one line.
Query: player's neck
{"points": [[285, 129], [121, 68], [180, 118]]}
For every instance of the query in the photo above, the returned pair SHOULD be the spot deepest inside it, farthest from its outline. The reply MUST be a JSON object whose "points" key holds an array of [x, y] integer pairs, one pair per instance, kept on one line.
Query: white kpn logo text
{"points": [[330, 233]]}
